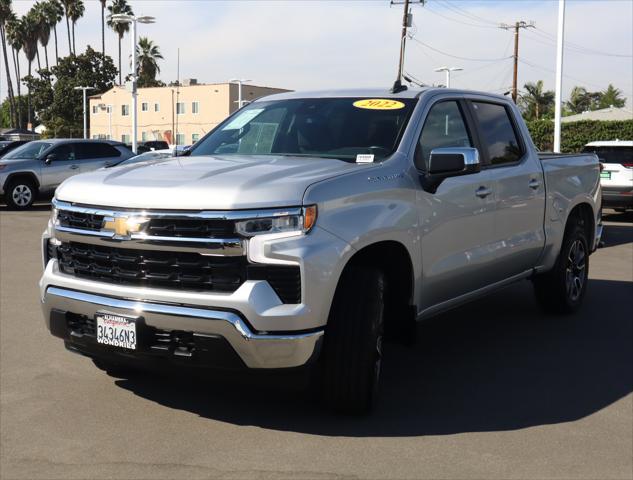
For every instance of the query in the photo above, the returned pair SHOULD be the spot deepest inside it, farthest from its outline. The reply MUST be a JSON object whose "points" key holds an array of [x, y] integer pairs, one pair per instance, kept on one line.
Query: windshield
{"points": [[319, 127], [31, 150], [612, 154]]}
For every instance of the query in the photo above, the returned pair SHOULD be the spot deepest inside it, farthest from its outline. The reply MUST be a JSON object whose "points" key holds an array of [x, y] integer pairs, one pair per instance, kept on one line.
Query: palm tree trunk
{"points": [[56, 50], [37, 51], [120, 78], [28, 113], [74, 51], [16, 67], [103, 30], [70, 46], [46, 55], [9, 82]]}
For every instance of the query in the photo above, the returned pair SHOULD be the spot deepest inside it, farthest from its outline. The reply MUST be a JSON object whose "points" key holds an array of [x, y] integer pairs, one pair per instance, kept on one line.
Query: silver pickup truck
{"points": [[307, 227]]}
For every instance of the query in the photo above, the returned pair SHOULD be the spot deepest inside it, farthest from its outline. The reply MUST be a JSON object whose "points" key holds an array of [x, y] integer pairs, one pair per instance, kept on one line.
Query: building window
{"points": [[125, 110], [144, 107], [157, 107], [144, 137], [125, 138], [180, 108], [96, 137], [180, 139], [95, 109], [195, 107], [195, 137]]}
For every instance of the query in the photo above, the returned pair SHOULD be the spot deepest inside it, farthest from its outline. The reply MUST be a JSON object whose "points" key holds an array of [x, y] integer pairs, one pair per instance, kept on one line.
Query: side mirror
{"points": [[449, 162], [50, 158]]}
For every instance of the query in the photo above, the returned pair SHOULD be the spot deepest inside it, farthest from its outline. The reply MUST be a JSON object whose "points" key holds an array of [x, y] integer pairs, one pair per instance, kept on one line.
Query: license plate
{"points": [[116, 330], [606, 175]]}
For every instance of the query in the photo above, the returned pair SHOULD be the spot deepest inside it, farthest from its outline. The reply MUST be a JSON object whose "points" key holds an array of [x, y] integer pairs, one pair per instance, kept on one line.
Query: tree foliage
{"points": [[56, 102], [148, 55], [575, 135], [5, 112], [536, 103]]}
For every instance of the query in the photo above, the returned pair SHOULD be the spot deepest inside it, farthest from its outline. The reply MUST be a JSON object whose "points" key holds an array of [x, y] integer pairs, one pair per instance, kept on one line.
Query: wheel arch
{"points": [[17, 175]]}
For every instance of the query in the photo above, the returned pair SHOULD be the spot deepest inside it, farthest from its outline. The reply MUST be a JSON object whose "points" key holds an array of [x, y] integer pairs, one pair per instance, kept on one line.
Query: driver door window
{"points": [[64, 153], [444, 127]]}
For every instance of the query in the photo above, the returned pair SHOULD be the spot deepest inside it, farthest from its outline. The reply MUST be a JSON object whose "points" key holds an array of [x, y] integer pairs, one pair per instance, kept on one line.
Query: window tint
{"points": [[498, 136], [444, 127], [622, 155], [91, 151], [64, 152]]}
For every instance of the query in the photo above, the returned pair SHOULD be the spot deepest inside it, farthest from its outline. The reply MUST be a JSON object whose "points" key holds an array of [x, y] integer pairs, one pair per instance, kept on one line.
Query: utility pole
{"points": [[407, 20], [517, 26], [85, 89], [559, 74]]}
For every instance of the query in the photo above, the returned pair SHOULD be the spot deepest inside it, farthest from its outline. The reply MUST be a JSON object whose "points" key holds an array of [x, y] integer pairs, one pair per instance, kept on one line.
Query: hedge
{"points": [[575, 135]]}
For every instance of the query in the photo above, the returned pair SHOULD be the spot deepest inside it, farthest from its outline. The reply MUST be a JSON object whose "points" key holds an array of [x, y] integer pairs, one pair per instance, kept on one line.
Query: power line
{"points": [[577, 47], [434, 12], [457, 56], [464, 13]]}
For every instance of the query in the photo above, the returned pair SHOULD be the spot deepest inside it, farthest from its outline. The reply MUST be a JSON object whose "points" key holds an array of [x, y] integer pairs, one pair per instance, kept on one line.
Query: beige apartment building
{"points": [[178, 115]]}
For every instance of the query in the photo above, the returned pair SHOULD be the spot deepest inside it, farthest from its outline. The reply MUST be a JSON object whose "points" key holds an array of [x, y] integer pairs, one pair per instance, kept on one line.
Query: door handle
{"points": [[534, 184], [483, 192], [74, 167]]}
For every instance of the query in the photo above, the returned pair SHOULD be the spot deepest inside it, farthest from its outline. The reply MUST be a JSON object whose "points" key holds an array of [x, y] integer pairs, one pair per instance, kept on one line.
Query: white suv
{"points": [[616, 177]]}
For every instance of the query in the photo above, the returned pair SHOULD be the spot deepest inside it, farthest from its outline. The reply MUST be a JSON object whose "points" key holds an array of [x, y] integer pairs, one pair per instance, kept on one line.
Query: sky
{"points": [[313, 45]]}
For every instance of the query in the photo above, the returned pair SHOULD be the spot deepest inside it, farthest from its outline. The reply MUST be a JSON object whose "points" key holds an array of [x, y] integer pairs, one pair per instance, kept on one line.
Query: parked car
{"points": [[38, 167], [145, 157], [306, 227], [616, 177], [150, 146], [8, 145]]}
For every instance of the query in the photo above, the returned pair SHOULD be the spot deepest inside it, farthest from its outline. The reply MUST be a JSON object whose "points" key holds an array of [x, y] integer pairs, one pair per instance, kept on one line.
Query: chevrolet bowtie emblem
{"points": [[124, 226]]}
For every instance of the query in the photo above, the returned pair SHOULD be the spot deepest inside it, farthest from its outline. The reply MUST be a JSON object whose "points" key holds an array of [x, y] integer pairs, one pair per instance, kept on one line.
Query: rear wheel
{"points": [[562, 289], [21, 193], [353, 341]]}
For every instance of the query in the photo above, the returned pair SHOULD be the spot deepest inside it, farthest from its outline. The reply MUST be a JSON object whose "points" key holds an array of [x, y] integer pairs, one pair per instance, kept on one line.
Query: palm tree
{"points": [[119, 7], [29, 46], [535, 101], [612, 97], [67, 4], [580, 100], [55, 12], [103, 5], [15, 38], [148, 55], [43, 26], [6, 13], [76, 11]]}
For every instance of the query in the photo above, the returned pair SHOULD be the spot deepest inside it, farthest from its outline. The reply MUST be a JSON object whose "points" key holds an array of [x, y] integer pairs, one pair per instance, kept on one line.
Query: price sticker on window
{"points": [[379, 104]]}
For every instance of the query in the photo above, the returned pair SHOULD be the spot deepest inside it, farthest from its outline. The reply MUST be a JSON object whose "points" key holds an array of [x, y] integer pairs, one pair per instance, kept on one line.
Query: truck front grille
{"points": [[159, 227], [174, 270]]}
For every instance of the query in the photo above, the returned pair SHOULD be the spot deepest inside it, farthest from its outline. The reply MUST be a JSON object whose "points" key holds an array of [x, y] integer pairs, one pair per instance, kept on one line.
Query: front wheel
{"points": [[20, 194], [562, 289], [353, 341]]}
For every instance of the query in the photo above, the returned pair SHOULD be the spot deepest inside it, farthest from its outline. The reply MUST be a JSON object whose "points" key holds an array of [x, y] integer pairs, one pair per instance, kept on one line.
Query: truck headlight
{"points": [[300, 222]]}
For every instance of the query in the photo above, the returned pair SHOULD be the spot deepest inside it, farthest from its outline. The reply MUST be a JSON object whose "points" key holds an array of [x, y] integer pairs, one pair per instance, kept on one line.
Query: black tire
{"points": [[21, 193], [562, 289], [113, 369], [352, 351]]}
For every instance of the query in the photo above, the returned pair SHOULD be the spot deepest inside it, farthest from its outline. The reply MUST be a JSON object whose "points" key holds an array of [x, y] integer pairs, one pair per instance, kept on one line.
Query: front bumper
{"points": [[199, 336]]}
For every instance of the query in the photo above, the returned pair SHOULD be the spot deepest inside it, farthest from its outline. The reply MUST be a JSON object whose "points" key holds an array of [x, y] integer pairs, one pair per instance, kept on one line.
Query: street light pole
{"points": [[448, 71], [559, 75], [134, 92], [85, 89], [133, 20], [240, 82]]}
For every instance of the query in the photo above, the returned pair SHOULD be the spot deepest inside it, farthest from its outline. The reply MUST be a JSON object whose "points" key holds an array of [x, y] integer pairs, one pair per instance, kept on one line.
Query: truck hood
{"points": [[224, 182]]}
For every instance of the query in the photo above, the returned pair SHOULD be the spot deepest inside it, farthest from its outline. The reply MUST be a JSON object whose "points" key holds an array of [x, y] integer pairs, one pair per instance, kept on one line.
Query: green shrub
{"points": [[575, 135]]}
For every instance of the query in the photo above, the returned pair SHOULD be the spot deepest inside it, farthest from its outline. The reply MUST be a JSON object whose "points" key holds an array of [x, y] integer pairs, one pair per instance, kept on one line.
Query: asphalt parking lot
{"points": [[494, 389]]}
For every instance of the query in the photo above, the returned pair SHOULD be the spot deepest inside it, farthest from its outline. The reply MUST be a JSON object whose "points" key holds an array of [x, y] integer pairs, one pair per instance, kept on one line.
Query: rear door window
{"points": [[499, 139], [64, 152], [95, 150], [621, 155]]}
